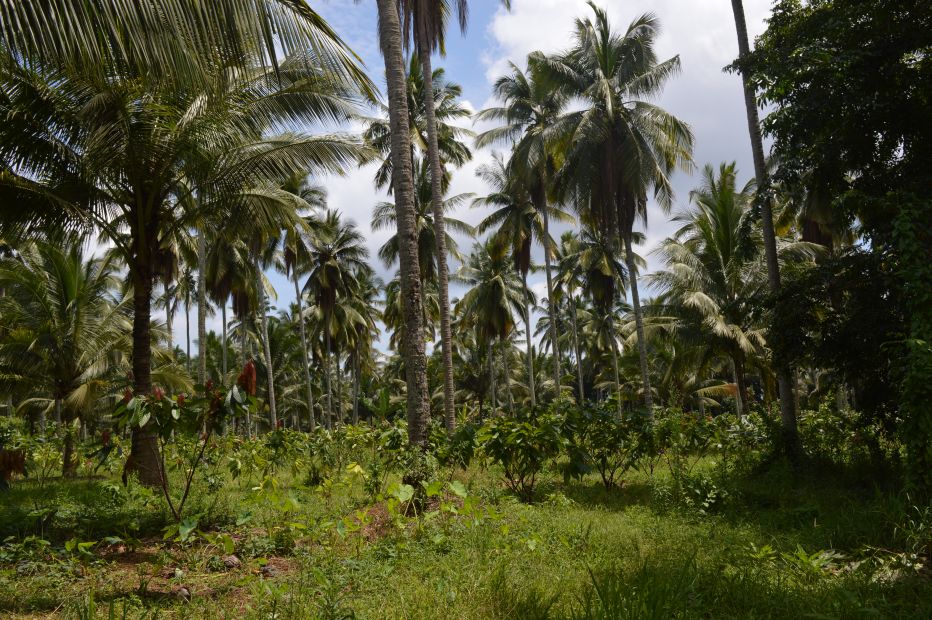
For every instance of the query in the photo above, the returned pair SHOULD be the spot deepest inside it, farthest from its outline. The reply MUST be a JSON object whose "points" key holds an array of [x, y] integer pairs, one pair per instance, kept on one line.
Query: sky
{"points": [[701, 32]]}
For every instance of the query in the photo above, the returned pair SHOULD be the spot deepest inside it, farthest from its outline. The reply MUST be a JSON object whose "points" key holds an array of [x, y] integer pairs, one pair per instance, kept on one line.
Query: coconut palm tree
{"points": [[595, 261], [715, 273], [418, 395], [450, 136], [517, 223], [228, 278], [295, 260], [529, 110], [393, 313], [65, 330], [362, 334], [569, 280], [784, 380], [336, 255], [187, 46], [713, 269], [620, 145], [425, 23], [207, 144], [495, 296]]}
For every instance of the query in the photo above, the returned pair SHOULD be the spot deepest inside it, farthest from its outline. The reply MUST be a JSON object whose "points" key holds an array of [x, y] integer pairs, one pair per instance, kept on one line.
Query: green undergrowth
{"points": [[770, 543]]}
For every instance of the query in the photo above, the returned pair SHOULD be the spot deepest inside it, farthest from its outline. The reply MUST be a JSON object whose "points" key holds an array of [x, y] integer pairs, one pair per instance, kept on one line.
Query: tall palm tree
{"points": [[784, 381], [569, 279], [418, 395], [336, 255], [517, 223], [715, 274], [621, 145], [393, 314], [713, 271], [425, 23], [602, 276], [212, 143], [363, 333], [295, 261], [448, 111], [228, 277], [64, 328], [495, 296], [530, 109]]}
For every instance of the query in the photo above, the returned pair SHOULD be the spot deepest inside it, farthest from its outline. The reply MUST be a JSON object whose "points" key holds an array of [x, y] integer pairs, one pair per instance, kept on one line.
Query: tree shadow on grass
{"points": [[593, 494]]}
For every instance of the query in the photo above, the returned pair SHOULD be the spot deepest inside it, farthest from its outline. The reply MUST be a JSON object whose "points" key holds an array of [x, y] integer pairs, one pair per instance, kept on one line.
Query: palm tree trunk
{"points": [[244, 353], [436, 177], [579, 374], [542, 207], [144, 458], [304, 352], [511, 400], [223, 363], [187, 331], [201, 307], [356, 388], [530, 343], [339, 371], [737, 373], [328, 373], [403, 188], [267, 351], [68, 465], [639, 324], [493, 397], [787, 407], [615, 367], [169, 320]]}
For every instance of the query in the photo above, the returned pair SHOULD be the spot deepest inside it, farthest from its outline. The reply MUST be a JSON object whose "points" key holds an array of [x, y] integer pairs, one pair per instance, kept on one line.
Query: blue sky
{"points": [[701, 32]]}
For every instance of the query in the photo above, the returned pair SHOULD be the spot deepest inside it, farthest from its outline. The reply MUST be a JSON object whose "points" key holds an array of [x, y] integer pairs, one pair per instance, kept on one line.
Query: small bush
{"points": [[607, 442], [522, 447]]}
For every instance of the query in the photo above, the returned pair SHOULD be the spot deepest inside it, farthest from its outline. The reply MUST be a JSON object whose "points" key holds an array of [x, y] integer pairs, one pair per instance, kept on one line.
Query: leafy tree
{"points": [[845, 80]]}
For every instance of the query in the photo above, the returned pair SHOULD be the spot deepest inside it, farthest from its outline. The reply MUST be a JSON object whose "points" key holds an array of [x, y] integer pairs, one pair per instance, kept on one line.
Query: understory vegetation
{"points": [[530, 518]]}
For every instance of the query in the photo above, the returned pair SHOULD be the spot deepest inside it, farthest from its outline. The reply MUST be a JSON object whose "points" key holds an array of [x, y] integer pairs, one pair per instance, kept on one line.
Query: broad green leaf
{"points": [[457, 488], [404, 492], [186, 527]]}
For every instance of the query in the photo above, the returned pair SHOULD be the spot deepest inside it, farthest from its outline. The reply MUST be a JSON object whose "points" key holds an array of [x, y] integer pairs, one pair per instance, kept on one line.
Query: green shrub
{"points": [[522, 447], [456, 450], [605, 441]]}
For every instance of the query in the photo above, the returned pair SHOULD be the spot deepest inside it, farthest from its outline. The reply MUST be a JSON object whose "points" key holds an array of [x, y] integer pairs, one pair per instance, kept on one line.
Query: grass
{"points": [[767, 545]]}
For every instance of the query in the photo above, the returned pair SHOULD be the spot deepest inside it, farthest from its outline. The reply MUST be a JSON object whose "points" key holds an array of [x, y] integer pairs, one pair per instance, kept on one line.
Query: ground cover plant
{"points": [[293, 525]]}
